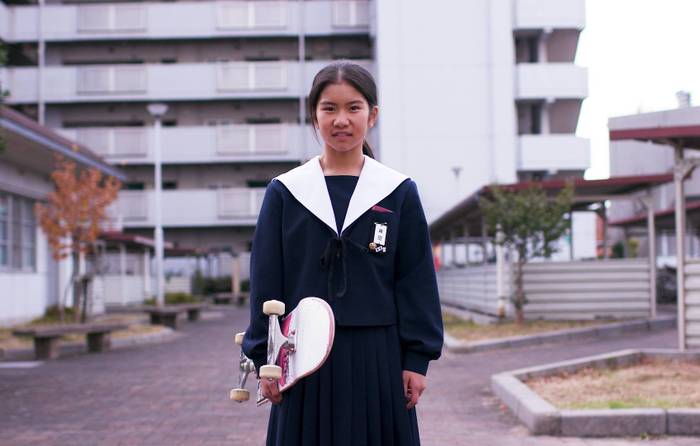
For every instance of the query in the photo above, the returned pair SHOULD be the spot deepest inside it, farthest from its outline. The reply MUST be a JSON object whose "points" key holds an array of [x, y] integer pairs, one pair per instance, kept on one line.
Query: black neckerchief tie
{"points": [[334, 252]]}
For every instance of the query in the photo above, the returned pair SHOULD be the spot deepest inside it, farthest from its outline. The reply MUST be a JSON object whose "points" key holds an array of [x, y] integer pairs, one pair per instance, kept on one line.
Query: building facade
{"points": [[471, 92], [480, 91], [30, 279], [630, 157]]}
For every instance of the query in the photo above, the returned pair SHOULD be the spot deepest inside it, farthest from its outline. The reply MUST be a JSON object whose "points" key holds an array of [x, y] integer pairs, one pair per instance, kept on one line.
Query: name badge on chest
{"points": [[378, 243]]}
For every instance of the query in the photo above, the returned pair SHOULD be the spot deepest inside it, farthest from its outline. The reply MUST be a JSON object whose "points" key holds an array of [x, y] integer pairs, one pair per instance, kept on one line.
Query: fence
{"points": [[557, 290]]}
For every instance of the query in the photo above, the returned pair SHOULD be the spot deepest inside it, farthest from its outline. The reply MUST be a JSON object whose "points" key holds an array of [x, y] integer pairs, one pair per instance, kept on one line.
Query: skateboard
{"points": [[297, 346]]}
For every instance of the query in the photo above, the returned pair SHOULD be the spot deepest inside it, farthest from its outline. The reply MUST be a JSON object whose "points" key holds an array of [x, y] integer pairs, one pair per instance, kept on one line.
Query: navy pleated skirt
{"points": [[355, 399]]}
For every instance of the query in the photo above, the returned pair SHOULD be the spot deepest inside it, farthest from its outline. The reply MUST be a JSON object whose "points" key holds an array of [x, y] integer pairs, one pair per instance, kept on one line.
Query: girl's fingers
{"points": [[270, 390]]}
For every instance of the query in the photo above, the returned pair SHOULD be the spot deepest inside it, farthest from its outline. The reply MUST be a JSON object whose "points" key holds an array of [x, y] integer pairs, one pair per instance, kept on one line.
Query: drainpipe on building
{"points": [[302, 68], [42, 63]]}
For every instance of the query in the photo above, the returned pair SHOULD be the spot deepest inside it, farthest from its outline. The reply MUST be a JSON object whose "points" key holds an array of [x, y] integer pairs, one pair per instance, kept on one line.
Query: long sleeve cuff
{"points": [[416, 362], [259, 364]]}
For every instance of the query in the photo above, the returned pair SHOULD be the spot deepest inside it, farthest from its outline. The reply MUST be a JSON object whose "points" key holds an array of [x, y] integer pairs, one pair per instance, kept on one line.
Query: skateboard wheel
{"points": [[273, 307], [240, 395], [271, 371], [239, 338]]}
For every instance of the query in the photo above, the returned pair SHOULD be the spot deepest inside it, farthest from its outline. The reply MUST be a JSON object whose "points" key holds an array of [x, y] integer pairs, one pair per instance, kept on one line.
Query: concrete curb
{"points": [[659, 323], [75, 348], [542, 418]]}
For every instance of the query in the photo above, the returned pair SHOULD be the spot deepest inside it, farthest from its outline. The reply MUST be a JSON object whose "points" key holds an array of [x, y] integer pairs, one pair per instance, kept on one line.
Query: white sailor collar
{"points": [[308, 185]]}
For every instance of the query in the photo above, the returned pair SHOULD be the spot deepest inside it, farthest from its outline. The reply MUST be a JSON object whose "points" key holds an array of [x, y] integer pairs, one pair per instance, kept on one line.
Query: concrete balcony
{"points": [[204, 144], [4, 22], [549, 14], [163, 82], [203, 19], [553, 153], [190, 207], [551, 81]]}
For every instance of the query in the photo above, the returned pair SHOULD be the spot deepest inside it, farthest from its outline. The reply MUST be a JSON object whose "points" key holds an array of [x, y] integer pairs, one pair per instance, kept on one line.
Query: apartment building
{"points": [[471, 92], [234, 75], [481, 91]]}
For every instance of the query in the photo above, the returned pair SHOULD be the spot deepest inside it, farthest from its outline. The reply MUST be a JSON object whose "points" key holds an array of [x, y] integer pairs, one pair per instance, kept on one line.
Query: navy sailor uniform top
{"points": [[301, 249]]}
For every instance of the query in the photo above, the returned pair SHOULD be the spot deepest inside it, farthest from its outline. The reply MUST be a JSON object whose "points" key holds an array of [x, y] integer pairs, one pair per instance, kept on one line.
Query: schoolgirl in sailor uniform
{"points": [[352, 231]]}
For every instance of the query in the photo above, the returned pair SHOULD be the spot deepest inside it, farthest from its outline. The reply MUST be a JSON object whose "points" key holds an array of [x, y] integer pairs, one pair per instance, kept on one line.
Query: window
{"points": [[17, 232], [527, 49], [529, 118]]}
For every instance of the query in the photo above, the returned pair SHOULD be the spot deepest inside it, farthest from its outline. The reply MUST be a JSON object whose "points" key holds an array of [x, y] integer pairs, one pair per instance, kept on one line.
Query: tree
{"points": [[530, 223], [73, 217]]}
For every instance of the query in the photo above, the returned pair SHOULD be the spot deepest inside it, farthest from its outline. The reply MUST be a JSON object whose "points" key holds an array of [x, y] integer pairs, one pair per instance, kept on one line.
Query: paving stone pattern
{"points": [[176, 393]]}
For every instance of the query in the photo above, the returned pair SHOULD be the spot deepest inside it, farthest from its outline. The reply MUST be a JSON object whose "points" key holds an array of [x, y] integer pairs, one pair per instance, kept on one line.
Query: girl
{"points": [[352, 231]]}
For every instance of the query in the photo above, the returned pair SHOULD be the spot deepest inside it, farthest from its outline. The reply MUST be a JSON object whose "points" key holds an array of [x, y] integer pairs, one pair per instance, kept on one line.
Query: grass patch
{"points": [[471, 331], [652, 383]]}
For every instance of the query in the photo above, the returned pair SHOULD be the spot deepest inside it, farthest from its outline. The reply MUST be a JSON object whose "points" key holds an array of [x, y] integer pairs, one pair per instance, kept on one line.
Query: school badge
{"points": [[378, 243]]}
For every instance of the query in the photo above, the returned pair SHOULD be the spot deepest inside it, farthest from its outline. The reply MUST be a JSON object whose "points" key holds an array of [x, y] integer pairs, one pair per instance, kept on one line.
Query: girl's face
{"points": [[343, 117]]}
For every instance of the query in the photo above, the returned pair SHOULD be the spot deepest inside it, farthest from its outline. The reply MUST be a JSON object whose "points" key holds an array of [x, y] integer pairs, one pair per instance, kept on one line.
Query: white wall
{"points": [[4, 22], [445, 78], [24, 295]]}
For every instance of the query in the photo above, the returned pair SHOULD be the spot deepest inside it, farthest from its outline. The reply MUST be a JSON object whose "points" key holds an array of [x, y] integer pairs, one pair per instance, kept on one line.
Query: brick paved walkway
{"points": [[176, 393]]}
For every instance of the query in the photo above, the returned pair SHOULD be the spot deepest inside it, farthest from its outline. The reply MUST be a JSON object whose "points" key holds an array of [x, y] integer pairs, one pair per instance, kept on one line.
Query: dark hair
{"points": [[351, 73]]}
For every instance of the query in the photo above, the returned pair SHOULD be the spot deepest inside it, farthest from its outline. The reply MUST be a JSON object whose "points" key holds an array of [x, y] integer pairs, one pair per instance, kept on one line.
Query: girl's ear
{"points": [[373, 113]]}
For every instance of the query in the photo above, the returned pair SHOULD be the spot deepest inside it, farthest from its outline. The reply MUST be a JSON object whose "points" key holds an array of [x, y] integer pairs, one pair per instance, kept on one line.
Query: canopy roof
{"points": [[678, 127], [467, 214]]}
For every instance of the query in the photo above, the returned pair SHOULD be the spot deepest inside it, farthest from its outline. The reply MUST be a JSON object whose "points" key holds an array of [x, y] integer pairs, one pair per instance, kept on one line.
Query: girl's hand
{"points": [[270, 390], [413, 387]]}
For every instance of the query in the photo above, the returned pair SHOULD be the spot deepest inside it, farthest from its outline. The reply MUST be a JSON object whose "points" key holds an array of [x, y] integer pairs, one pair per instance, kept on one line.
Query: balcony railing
{"points": [[196, 144], [554, 152], [186, 81], [168, 20], [549, 14], [218, 207], [551, 80]]}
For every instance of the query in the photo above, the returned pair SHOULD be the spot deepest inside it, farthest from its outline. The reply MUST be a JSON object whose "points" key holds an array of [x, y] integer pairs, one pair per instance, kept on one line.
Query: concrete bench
{"points": [[223, 298], [229, 298], [164, 315], [168, 314], [46, 337], [193, 310]]}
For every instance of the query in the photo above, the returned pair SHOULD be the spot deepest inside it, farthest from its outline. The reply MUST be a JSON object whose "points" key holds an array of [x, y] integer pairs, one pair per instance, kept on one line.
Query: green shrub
{"points": [[207, 286], [53, 316], [174, 299]]}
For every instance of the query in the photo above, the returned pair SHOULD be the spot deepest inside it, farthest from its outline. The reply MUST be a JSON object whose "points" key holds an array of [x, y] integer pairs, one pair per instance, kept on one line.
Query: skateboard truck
{"points": [[246, 367], [276, 340]]}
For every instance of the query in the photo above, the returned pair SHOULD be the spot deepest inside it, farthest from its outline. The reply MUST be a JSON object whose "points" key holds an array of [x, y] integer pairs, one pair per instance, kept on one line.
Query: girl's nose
{"points": [[340, 121]]}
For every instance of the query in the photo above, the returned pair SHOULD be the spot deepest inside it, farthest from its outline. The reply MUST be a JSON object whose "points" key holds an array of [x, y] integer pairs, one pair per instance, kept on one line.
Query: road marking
{"points": [[20, 365]]}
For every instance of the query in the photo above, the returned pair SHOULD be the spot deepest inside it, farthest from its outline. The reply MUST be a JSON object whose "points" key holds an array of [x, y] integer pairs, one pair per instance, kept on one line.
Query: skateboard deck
{"points": [[298, 345]]}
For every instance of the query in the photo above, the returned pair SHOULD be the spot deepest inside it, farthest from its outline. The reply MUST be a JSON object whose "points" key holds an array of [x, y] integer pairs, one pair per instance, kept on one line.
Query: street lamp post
{"points": [[157, 111]]}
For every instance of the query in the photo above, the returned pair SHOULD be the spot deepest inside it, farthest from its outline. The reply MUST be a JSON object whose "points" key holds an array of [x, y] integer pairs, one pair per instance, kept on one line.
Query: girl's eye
{"points": [[327, 108], [355, 108]]}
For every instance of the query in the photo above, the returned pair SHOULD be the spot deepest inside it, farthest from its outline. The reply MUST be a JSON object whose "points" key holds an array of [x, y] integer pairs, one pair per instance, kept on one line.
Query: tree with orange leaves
{"points": [[73, 217]]}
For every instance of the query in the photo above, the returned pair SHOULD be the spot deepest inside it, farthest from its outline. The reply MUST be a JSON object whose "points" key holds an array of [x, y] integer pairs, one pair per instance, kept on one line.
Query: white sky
{"points": [[639, 53]]}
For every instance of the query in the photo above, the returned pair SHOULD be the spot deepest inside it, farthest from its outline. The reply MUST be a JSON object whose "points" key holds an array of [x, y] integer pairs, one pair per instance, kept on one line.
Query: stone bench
{"points": [[168, 314], [193, 310], [229, 298], [46, 337], [164, 315]]}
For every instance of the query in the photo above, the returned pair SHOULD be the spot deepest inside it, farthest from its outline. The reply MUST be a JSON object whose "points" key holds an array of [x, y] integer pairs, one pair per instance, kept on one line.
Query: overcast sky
{"points": [[639, 53]]}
